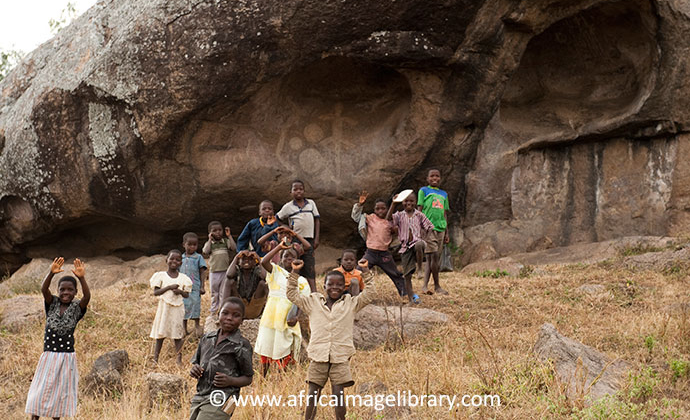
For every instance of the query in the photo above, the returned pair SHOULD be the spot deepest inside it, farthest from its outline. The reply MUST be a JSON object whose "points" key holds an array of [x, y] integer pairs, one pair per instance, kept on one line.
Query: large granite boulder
{"points": [[552, 122]]}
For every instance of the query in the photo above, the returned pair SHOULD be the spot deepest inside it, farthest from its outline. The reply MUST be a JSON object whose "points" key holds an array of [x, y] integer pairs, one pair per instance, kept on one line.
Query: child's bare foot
{"points": [[199, 331], [179, 360], [441, 291], [426, 291]]}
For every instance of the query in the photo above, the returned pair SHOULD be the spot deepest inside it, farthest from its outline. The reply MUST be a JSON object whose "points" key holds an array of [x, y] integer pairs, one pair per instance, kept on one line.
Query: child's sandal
{"points": [[416, 300]]}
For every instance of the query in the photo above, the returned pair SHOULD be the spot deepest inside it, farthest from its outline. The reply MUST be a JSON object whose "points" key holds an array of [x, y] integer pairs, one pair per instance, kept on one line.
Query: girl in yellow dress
{"points": [[279, 338]]}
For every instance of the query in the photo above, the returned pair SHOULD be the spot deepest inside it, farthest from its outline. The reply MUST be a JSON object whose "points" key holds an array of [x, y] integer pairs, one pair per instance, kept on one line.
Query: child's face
{"points": [[230, 317], [287, 259], [335, 287], [174, 261], [216, 232], [266, 210], [409, 204], [247, 262], [348, 261], [297, 191], [66, 291], [434, 178], [191, 245], [380, 209]]}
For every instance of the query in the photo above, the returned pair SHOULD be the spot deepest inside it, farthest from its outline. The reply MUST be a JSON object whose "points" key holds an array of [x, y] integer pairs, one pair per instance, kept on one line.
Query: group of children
{"points": [[272, 275]]}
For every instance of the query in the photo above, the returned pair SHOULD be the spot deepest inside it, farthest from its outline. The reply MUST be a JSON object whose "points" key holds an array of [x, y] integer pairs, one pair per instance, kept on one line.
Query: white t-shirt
{"points": [[300, 219]]}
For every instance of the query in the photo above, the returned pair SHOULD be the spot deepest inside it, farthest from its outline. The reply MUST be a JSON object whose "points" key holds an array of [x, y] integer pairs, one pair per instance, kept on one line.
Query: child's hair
{"points": [[214, 223], [189, 235], [433, 169], [69, 279], [380, 200], [234, 300], [173, 251], [334, 274], [288, 250], [296, 181], [348, 251], [265, 201]]}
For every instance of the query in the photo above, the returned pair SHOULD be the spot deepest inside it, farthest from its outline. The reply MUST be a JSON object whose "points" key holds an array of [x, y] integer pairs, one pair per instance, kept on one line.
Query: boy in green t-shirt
{"points": [[433, 202]]}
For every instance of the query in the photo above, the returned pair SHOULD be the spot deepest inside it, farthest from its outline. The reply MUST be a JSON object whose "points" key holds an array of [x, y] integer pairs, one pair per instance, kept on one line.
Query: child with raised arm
{"points": [[219, 251], [194, 266], [256, 228], [331, 319], [303, 217], [246, 279], [378, 235], [412, 226], [53, 390], [354, 282], [279, 338], [287, 235], [222, 365], [433, 202], [171, 287]]}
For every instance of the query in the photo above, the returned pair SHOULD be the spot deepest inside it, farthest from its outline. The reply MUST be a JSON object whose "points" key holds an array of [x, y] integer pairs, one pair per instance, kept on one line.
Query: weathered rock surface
{"points": [[585, 371], [552, 123], [106, 374], [376, 325], [165, 388], [19, 311]]}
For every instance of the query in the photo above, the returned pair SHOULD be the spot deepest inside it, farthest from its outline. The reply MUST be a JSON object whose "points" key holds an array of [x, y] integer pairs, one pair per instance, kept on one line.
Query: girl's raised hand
{"points": [[297, 265], [363, 197], [56, 265], [79, 269], [227, 231], [284, 245]]}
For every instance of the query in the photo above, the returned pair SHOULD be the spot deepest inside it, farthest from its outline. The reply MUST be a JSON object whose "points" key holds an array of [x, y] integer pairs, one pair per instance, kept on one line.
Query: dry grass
{"points": [[486, 348]]}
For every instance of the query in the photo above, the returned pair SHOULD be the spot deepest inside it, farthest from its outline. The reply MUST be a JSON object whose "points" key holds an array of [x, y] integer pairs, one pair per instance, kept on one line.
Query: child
{"points": [[217, 249], [412, 226], [303, 217], [348, 266], [433, 202], [194, 266], [256, 228], [222, 365], [330, 352], [171, 287], [53, 390], [284, 234], [379, 234], [279, 337], [246, 279]]}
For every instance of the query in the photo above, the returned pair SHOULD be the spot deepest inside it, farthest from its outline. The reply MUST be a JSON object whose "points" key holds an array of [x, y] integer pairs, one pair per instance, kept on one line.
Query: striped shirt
{"points": [[410, 229]]}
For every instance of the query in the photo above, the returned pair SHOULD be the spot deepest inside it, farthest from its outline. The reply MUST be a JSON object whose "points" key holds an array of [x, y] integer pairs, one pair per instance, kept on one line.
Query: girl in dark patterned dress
{"points": [[53, 391]]}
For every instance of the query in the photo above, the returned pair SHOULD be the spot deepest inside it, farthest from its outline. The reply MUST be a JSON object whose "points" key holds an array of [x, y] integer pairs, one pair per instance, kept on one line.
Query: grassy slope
{"points": [[454, 359]]}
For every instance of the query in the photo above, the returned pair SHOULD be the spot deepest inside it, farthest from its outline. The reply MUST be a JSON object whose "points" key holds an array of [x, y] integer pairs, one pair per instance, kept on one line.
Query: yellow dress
{"points": [[170, 312], [275, 339]]}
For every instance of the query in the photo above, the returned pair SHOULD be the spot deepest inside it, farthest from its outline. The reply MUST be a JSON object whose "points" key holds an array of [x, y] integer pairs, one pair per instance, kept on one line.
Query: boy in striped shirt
{"points": [[412, 226]]}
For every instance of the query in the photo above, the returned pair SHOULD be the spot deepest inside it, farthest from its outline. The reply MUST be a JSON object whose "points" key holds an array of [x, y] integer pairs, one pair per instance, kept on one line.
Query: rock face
{"points": [[21, 310], [552, 123], [585, 371], [106, 373]]}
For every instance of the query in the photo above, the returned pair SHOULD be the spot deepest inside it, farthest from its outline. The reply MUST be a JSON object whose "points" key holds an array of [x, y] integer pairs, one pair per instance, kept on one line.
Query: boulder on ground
{"points": [[106, 374], [19, 311], [166, 388], [375, 325], [585, 371]]}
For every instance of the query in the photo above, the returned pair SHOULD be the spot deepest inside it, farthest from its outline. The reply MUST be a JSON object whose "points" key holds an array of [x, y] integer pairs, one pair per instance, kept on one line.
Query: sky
{"points": [[24, 23]]}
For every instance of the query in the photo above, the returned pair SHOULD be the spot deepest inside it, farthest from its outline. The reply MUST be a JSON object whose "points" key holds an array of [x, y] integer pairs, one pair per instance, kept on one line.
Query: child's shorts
{"points": [[409, 258], [434, 241], [339, 373]]}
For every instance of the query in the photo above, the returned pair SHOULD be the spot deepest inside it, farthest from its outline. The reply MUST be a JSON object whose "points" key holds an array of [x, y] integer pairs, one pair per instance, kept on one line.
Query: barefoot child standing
{"points": [[53, 391], [279, 338], [194, 266], [433, 202], [219, 251], [222, 365], [171, 287], [331, 319]]}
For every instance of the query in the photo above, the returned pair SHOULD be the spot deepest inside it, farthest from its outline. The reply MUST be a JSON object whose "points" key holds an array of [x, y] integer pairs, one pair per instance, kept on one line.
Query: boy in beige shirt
{"points": [[331, 320]]}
